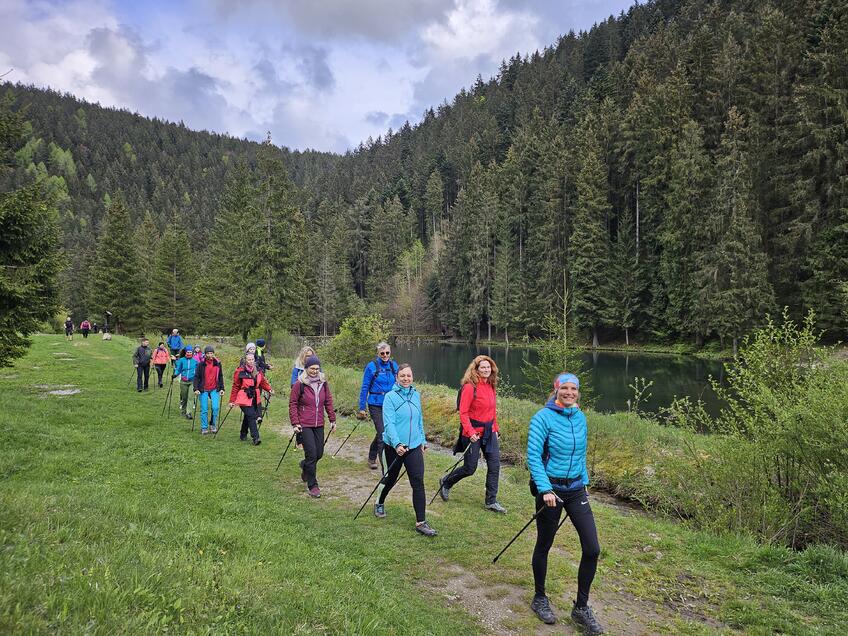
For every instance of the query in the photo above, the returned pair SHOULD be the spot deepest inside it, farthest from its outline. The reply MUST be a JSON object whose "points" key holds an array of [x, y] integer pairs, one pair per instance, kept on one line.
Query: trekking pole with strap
{"points": [[346, 438], [221, 425], [450, 470], [375, 487], [285, 451], [194, 412], [328, 436], [134, 374], [168, 396], [264, 411], [526, 525]]}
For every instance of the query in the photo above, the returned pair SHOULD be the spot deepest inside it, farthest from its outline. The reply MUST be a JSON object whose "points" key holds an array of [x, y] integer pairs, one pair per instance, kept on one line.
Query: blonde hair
{"points": [[473, 377], [300, 360]]}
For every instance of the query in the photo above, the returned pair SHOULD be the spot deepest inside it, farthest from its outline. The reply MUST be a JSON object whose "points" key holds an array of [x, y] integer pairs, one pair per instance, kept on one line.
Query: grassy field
{"points": [[114, 519]]}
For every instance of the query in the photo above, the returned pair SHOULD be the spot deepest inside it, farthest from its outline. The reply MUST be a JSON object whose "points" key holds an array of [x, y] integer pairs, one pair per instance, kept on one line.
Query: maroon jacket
{"points": [[305, 409]]}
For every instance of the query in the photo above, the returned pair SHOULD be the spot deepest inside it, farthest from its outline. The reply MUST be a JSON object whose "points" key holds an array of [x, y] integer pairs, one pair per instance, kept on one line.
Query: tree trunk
{"points": [[595, 338], [735, 343], [627, 336]]}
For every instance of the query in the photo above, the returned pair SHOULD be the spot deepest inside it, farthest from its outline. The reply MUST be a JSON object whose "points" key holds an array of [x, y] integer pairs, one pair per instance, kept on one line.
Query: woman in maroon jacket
{"points": [[248, 384], [310, 397], [479, 423]]}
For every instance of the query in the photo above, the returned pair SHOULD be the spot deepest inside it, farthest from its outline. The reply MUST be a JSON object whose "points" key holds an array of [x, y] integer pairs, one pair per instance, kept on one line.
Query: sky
{"points": [[320, 74]]}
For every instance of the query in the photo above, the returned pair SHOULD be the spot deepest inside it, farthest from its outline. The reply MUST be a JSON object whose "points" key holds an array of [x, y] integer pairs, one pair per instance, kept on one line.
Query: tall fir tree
{"points": [[116, 279], [171, 292]]}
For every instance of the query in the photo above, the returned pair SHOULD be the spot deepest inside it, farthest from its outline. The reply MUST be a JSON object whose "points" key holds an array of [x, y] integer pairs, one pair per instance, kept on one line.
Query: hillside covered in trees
{"points": [[675, 172]]}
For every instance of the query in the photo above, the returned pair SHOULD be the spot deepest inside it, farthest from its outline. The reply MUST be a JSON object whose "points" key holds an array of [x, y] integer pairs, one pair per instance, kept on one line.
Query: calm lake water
{"points": [[611, 372]]}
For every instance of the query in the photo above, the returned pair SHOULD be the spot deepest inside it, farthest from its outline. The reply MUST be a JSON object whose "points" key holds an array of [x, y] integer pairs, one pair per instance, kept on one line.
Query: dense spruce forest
{"points": [[674, 173]]}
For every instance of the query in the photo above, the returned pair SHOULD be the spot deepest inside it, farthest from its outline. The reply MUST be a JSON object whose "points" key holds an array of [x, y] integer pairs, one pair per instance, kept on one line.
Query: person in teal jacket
{"points": [[403, 445], [556, 457], [185, 367]]}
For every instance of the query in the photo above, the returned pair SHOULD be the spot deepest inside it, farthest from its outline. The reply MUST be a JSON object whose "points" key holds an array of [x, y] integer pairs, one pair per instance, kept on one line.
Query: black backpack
{"points": [[378, 370]]}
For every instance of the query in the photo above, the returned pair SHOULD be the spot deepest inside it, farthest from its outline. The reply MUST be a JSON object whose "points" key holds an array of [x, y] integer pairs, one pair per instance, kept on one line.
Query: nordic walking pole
{"points": [[526, 525], [221, 425], [377, 486], [134, 374], [168, 396], [346, 438], [450, 470], [194, 412], [264, 411], [328, 436], [285, 451]]}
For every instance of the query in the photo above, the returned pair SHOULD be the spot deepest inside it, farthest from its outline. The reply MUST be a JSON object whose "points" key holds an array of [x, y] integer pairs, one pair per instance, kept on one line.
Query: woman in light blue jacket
{"points": [[404, 445], [556, 457]]}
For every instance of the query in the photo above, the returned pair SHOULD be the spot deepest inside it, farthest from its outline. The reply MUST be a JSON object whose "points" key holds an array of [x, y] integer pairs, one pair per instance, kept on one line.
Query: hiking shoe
{"points": [[139, 390], [543, 610], [302, 471], [160, 385], [496, 507], [257, 442], [204, 431], [444, 491], [242, 438], [584, 616], [189, 416], [372, 464], [315, 492], [214, 429], [379, 511], [425, 529]]}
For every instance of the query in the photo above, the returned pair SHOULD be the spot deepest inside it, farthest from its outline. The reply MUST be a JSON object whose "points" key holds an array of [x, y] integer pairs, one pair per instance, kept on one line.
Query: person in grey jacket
{"points": [[141, 362]]}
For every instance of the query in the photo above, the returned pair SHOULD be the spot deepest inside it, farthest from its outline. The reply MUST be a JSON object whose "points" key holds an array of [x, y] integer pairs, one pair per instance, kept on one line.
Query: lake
{"points": [[611, 372]]}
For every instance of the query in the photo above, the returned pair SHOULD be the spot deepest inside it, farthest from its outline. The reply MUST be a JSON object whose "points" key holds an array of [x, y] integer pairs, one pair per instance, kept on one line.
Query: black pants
{"points": [[492, 455], [85, 333], [249, 422], [579, 510], [376, 448], [160, 369], [142, 370], [414, 462], [313, 450]]}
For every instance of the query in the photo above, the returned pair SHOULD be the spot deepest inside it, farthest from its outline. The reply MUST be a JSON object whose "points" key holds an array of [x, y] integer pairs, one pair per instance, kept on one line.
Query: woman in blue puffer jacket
{"points": [[403, 445], [556, 457]]}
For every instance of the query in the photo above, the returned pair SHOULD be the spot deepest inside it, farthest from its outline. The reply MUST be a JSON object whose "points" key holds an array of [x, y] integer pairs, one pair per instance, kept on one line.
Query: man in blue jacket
{"points": [[377, 380], [175, 344]]}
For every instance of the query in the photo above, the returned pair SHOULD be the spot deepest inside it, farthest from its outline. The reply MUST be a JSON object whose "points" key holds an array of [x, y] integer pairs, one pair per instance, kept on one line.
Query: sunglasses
{"points": [[385, 353]]}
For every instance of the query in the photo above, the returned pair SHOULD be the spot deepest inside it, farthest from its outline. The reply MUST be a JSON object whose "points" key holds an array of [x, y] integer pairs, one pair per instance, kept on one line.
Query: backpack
{"points": [[378, 370]]}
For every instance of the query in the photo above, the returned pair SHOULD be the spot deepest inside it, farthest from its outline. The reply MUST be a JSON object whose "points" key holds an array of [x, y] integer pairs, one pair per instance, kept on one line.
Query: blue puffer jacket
{"points": [[185, 368], [377, 380], [564, 430], [175, 342], [402, 418]]}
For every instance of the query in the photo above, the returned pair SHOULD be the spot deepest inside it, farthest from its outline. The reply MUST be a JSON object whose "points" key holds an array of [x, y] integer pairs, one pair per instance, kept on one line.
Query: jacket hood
{"points": [[303, 377], [397, 387], [551, 404]]}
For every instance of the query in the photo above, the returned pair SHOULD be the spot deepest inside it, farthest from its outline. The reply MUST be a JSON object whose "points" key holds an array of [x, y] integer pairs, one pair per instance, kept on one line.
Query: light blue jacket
{"points": [[185, 368], [564, 430], [403, 419]]}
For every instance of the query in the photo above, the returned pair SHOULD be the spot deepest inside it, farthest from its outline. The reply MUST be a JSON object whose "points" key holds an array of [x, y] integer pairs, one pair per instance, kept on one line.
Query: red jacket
{"points": [[306, 409], [481, 407], [243, 382]]}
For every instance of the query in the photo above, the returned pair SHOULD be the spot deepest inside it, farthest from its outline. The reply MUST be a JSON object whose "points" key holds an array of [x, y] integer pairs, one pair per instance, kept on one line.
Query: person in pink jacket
{"points": [[161, 358], [310, 398]]}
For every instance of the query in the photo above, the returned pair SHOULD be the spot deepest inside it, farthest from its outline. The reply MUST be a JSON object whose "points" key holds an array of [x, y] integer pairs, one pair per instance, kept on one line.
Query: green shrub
{"points": [[354, 345]]}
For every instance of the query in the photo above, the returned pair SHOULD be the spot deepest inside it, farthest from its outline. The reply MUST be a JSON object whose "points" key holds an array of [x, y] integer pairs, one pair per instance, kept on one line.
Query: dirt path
{"points": [[503, 608]]}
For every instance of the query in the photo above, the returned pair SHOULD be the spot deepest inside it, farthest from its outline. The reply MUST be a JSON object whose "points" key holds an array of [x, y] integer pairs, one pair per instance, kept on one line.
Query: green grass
{"points": [[116, 520]]}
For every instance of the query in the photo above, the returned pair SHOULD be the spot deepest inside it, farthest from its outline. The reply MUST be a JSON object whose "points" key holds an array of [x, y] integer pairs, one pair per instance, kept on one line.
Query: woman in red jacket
{"points": [[479, 421], [310, 397], [248, 384]]}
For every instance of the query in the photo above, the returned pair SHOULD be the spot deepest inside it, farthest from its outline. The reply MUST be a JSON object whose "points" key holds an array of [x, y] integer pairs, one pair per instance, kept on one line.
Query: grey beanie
{"points": [[208, 349]]}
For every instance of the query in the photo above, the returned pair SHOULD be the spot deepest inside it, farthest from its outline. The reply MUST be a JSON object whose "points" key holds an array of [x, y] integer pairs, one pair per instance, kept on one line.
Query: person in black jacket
{"points": [[141, 362]]}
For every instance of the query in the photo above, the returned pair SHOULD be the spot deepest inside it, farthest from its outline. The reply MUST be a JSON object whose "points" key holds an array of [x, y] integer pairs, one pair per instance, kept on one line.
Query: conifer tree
{"points": [[146, 243], [116, 284], [434, 197], [171, 291], [626, 281]]}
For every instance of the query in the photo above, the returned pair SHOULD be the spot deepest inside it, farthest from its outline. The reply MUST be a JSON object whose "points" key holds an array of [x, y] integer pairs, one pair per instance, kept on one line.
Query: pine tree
{"points": [[589, 240], [626, 281], [171, 292], [146, 242], [116, 284], [434, 197]]}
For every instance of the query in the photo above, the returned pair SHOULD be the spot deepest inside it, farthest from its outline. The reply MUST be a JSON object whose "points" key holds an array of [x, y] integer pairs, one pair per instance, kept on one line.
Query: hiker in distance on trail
{"points": [[141, 362], [69, 328], [309, 399], [261, 355], [185, 367], [478, 426], [85, 328], [161, 358], [556, 457], [403, 445], [175, 344], [248, 383], [209, 386], [377, 380]]}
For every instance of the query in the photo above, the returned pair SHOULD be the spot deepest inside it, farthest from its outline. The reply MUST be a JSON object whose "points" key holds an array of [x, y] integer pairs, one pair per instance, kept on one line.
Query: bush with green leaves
{"points": [[358, 335], [557, 353]]}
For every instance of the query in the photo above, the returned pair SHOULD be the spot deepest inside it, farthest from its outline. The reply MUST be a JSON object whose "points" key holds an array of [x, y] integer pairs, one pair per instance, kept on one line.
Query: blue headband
{"points": [[562, 378]]}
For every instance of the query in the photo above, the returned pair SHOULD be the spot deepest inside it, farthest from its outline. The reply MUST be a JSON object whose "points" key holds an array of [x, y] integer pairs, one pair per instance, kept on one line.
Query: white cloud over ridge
{"points": [[322, 75]]}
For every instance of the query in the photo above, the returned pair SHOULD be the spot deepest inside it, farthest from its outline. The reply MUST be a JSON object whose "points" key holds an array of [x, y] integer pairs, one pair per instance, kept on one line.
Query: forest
{"points": [[674, 174]]}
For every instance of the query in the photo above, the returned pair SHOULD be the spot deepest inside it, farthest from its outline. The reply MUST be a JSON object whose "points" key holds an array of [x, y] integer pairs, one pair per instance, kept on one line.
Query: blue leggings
{"points": [[205, 398]]}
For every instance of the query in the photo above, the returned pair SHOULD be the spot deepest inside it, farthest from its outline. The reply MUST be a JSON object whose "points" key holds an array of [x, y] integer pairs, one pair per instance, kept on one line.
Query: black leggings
{"points": [[249, 422], [160, 369], [579, 510], [492, 454], [313, 450], [414, 462], [376, 448]]}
